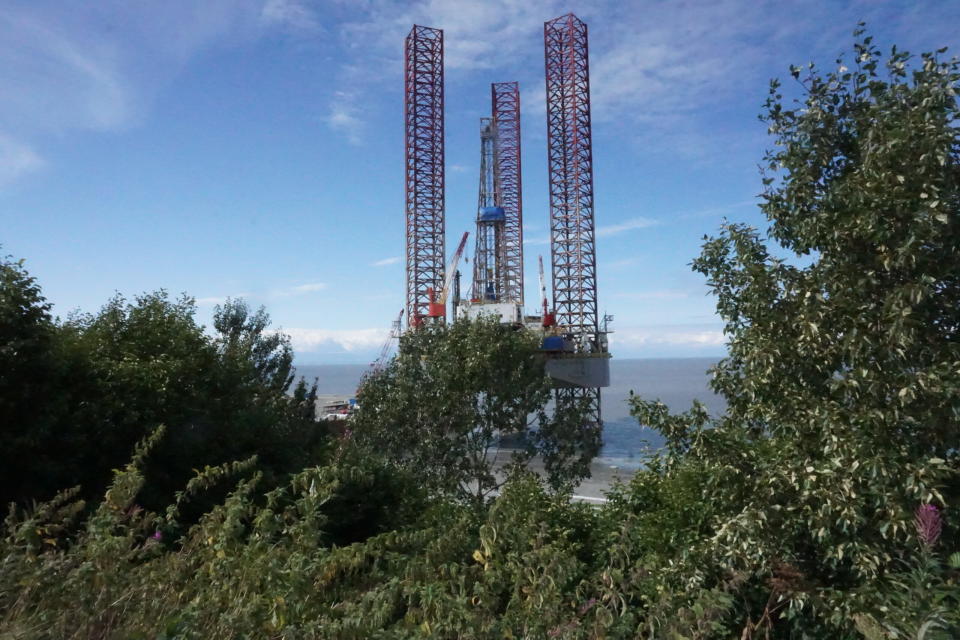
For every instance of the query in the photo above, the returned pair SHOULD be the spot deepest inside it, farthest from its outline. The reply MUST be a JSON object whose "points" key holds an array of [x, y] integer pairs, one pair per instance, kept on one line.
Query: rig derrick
{"points": [[581, 364], [424, 176], [574, 342]]}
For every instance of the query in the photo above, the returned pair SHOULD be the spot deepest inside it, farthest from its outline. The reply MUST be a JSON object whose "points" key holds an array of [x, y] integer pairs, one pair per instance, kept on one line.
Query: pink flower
{"points": [[929, 525]]}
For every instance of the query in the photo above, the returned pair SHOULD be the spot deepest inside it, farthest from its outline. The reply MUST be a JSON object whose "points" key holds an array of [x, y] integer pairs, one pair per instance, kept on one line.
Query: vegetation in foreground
{"points": [[821, 505]]}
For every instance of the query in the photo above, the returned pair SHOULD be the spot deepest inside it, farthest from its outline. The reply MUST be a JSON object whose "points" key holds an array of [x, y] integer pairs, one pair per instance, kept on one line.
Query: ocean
{"points": [[674, 381]]}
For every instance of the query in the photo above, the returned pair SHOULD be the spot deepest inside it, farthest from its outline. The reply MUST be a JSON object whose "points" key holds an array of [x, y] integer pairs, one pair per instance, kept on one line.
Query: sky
{"points": [[254, 148]]}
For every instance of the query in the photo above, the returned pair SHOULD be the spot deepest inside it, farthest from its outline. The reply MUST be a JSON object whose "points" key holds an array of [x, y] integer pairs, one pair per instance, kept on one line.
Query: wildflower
{"points": [[929, 525], [157, 536]]}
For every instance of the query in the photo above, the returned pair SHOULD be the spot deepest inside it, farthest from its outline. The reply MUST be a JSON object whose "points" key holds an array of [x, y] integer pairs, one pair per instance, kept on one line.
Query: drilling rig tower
{"points": [[582, 364]]}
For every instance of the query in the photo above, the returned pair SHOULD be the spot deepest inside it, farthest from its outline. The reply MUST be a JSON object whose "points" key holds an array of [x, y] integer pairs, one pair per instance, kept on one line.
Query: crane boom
{"points": [[385, 349], [452, 268], [549, 318], [377, 365], [438, 301], [543, 287]]}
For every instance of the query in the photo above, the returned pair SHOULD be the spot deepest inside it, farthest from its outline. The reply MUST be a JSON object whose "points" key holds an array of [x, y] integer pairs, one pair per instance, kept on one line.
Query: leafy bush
{"points": [[442, 407], [276, 568], [76, 396], [821, 505], [841, 381]]}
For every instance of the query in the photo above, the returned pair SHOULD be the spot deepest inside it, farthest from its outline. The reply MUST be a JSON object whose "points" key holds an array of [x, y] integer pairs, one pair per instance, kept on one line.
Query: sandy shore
{"points": [[602, 477]]}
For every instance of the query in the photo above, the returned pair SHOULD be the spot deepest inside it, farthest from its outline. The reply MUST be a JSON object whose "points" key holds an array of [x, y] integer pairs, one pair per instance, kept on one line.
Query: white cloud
{"points": [[672, 336], [54, 76], [211, 300], [16, 159], [98, 65], [289, 13], [315, 286], [630, 225], [478, 34], [308, 340], [716, 211], [214, 300], [283, 292], [385, 262], [620, 264], [665, 294], [300, 289], [343, 116], [658, 71], [534, 240], [458, 168], [297, 290], [626, 339]]}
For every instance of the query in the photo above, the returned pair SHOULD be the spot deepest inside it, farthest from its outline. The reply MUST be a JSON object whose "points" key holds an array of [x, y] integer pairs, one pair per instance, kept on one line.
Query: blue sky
{"points": [[254, 148]]}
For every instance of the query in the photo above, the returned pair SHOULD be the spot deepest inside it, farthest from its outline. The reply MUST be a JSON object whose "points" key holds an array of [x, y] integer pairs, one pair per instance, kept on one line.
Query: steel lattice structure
{"points": [[423, 108], [489, 255], [570, 166], [574, 397], [505, 109], [570, 158]]}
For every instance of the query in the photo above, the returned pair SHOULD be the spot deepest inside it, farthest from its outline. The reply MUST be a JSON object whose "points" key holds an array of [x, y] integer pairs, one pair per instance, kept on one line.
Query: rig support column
{"points": [[423, 111], [570, 164], [505, 109]]}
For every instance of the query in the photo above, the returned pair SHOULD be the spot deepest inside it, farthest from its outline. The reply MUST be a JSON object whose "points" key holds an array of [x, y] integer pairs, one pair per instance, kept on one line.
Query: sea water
{"points": [[674, 381]]}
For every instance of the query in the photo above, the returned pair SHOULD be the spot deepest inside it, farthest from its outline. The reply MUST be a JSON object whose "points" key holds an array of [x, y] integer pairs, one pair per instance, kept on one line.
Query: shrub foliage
{"points": [[822, 504]]}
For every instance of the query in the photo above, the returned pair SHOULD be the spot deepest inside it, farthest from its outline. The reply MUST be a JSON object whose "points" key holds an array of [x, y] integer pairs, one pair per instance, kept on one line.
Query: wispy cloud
{"points": [[280, 292], [663, 294], [56, 76], [458, 168], [301, 289], [601, 232], [656, 69], [478, 34], [308, 340], [672, 336], [716, 211], [98, 66], [292, 14], [629, 225], [343, 116], [210, 301], [621, 264], [385, 262], [16, 159]]}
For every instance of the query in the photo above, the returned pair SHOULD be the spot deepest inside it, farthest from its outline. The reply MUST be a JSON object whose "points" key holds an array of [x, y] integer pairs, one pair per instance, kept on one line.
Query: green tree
{"points": [[842, 380], [76, 396], [30, 370], [222, 398], [265, 358], [444, 404]]}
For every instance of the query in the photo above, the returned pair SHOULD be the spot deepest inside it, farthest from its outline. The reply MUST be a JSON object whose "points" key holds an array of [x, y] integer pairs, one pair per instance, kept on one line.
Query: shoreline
{"points": [[603, 472], [602, 477]]}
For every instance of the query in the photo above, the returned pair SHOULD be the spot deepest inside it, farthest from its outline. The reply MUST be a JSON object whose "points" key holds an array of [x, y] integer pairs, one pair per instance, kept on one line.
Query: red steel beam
{"points": [[570, 164], [505, 98], [423, 110], [570, 158]]}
